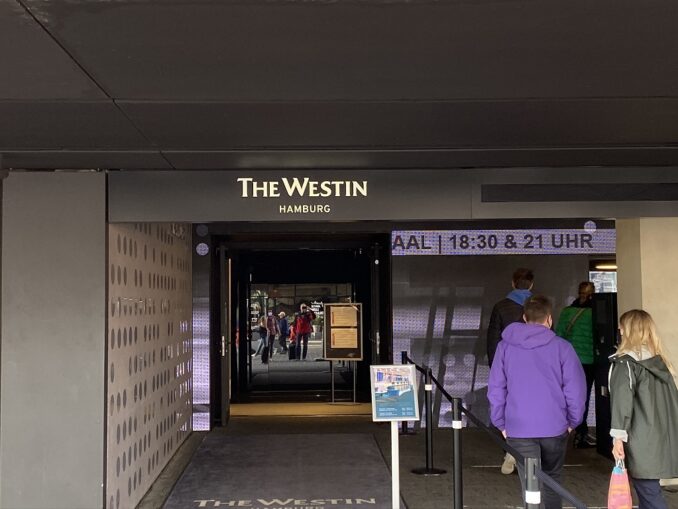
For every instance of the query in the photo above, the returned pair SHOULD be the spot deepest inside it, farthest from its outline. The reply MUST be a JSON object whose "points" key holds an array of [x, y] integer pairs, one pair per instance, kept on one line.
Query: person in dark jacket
{"points": [[509, 310], [644, 402], [263, 334], [537, 391], [576, 325], [272, 330], [505, 312], [284, 331]]}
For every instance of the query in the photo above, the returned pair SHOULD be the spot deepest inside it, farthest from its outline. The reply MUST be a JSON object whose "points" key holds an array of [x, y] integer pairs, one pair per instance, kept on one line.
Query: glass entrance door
{"points": [[283, 360]]}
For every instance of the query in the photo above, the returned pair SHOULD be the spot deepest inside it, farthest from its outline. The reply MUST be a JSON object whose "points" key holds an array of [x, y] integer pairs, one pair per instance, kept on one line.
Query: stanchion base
{"points": [[429, 471]]}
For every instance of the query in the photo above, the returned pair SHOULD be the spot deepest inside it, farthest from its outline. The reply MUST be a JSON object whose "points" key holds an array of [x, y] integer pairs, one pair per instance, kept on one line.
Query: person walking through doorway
{"points": [[644, 402], [537, 392], [505, 312], [272, 331], [509, 309], [576, 325], [292, 352], [263, 333], [303, 326]]}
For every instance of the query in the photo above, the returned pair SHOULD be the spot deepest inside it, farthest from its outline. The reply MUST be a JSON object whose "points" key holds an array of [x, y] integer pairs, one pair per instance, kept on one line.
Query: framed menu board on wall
{"points": [[343, 332]]}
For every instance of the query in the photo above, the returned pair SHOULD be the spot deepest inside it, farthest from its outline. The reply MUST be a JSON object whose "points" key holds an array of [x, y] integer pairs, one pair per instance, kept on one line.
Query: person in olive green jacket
{"points": [[576, 325], [644, 402]]}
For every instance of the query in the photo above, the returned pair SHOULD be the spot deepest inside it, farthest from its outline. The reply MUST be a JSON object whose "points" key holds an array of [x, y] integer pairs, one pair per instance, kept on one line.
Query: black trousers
{"points": [[590, 372], [551, 454], [282, 340], [302, 338]]}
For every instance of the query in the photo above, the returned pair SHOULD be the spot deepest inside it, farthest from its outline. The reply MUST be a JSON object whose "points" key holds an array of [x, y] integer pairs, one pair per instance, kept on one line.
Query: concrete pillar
{"points": [[648, 273], [53, 340]]}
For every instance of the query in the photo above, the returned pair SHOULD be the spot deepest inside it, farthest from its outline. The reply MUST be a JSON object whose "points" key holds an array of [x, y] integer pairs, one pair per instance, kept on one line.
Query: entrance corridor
{"points": [[347, 457]]}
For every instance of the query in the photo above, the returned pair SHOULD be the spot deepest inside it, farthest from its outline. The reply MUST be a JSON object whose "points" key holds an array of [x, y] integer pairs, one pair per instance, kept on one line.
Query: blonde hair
{"points": [[639, 331]]}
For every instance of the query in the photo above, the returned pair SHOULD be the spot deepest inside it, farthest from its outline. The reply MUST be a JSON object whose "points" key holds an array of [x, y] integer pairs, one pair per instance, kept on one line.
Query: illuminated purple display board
{"points": [[503, 242]]}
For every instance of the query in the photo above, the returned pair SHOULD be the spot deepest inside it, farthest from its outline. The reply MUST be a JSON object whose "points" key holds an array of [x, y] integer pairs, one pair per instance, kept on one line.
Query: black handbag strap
{"points": [[573, 320]]}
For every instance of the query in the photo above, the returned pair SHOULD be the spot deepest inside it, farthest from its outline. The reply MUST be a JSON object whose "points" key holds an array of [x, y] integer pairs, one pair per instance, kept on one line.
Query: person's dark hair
{"points": [[584, 285], [523, 279], [537, 309]]}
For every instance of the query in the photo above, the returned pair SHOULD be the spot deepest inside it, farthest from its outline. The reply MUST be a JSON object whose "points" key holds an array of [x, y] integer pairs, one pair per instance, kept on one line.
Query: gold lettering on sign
{"points": [[302, 187]]}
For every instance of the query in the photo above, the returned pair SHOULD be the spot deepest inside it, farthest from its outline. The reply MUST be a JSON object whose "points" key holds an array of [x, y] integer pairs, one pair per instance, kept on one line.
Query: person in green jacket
{"points": [[644, 403], [576, 325]]}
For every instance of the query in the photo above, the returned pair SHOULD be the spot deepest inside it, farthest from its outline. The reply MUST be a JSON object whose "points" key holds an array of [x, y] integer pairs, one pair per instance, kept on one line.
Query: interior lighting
{"points": [[606, 266]]}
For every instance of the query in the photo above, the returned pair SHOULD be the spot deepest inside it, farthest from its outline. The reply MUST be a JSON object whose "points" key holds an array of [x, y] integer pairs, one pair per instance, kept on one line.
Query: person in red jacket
{"points": [[303, 326], [292, 352]]}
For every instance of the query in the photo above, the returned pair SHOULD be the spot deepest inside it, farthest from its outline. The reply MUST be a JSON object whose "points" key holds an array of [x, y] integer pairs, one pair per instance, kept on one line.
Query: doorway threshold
{"points": [[300, 409]]}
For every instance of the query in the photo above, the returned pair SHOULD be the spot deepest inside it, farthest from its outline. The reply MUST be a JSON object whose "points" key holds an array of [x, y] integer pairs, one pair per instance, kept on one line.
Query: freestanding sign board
{"points": [[343, 332], [394, 393], [394, 399]]}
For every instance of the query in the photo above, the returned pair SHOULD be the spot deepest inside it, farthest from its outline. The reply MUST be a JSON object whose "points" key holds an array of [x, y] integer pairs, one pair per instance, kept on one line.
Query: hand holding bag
{"points": [[619, 495]]}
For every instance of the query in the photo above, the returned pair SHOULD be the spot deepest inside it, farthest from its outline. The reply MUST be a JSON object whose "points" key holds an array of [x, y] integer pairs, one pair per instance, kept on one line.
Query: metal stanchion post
{"points": [[404, 424], [428, 401], [395, 467], [532, 492], [332, 375], [456, 459], [355, 378]]}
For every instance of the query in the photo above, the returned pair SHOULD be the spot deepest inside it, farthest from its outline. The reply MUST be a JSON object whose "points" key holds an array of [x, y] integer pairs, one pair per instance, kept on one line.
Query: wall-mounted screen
{"points": [[604, 281]]}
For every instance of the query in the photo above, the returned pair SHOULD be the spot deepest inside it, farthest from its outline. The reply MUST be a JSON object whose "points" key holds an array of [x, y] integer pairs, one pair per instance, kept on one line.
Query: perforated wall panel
{"points": [[442, 307], [149, 355]]}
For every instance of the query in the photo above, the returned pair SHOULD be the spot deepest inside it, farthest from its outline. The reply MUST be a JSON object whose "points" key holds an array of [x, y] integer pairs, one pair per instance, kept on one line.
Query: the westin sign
{"points": [[302, 195]]}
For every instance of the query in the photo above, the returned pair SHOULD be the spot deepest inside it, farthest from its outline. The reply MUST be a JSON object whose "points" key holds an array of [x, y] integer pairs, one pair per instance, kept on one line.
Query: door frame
{"points": [[235, 329]]}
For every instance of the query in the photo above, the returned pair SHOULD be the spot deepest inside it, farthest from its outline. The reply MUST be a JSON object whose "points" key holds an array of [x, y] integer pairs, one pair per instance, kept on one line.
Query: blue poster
{"points": [[394, 393]]}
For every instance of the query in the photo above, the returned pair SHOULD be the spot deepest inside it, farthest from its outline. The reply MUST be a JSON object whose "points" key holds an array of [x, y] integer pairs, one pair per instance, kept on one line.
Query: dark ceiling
{"points": [[337, 83]]}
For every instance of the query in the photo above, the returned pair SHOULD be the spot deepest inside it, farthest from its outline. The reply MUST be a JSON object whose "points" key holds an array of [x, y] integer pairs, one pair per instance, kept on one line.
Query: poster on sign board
{"points": [[394, 393], [343, 332]]}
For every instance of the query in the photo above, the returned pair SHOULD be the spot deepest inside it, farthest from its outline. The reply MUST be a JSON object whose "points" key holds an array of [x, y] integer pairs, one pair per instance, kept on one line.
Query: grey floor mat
{"points": [[293, 471]]}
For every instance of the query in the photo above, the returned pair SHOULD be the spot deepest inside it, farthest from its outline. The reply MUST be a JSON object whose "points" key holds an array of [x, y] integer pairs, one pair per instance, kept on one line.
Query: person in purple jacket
{"points": [[537, 392]]}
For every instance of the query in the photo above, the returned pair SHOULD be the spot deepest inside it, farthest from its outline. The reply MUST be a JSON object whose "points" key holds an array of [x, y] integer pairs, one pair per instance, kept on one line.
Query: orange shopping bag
{"points": [[619, 495]]}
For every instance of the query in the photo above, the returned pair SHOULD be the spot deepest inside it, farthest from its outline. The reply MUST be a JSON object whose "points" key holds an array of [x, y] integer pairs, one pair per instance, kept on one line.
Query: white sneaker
{"points": [[509, 464]]}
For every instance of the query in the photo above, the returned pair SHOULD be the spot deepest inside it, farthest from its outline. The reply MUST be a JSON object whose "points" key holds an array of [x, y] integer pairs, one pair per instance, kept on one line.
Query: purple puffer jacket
{"points": [[537, 386]]}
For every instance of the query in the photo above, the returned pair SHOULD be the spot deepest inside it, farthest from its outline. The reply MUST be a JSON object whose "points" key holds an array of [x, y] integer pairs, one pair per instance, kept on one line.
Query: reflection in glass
{"points": [[277, 368]]}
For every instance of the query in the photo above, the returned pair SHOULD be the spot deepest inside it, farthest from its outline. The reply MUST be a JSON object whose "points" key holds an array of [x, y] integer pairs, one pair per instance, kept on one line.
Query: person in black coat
{"points": [[505, 312], [509, 309]]}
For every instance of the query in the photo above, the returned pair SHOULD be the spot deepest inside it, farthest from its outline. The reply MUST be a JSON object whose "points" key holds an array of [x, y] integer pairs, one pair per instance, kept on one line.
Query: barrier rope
{"points": [[498, 439]]}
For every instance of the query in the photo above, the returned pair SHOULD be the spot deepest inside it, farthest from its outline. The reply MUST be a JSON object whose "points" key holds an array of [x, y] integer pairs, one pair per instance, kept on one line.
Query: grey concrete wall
{"points": [[442, 307], [53, 340], [647, 274], [629, 261]]}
